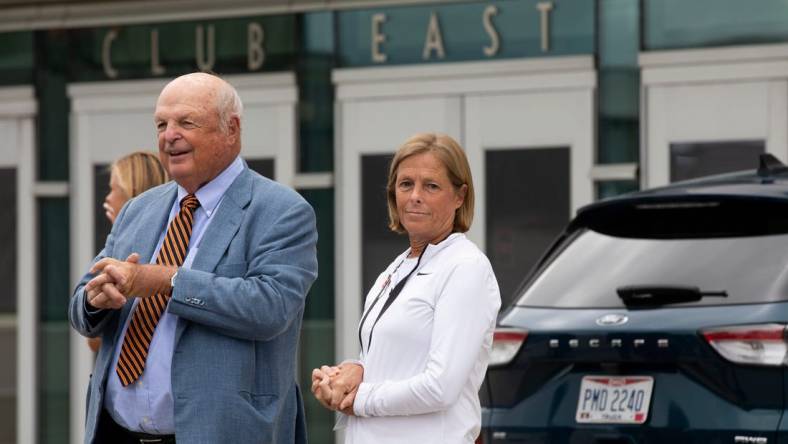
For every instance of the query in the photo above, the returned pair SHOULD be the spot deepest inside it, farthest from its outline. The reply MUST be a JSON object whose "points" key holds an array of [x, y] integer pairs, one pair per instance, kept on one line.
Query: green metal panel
{"points": [[671, 24], [54, 293], [16, 58], [619, 82]]}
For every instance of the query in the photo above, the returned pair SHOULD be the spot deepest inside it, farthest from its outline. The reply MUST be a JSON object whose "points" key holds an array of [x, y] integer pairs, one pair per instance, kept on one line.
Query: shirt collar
{"points": [[433, 249], [211, 193]]}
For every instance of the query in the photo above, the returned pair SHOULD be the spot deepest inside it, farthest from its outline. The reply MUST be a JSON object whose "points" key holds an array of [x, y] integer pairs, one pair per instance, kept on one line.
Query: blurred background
{"points": [[558, 103]]}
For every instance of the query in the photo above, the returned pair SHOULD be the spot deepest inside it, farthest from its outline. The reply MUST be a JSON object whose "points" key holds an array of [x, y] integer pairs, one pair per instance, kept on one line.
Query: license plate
{"points": [[614, 399]]}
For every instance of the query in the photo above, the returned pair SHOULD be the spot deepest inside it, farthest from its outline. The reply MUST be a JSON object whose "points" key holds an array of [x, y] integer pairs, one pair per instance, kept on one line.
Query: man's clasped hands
{"points": [[115, 281], [336, 386]]}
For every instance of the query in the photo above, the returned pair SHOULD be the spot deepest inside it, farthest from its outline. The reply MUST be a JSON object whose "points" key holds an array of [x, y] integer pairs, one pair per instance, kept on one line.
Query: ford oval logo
{"points": [[612, 319]]}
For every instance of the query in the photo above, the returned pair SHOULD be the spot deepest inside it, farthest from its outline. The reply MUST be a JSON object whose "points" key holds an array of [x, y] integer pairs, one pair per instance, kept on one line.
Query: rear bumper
{"points": [[643, 435]]}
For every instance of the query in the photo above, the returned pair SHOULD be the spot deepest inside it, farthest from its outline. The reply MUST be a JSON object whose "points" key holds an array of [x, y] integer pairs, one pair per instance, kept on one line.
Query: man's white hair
{"points": [[228, 104]]}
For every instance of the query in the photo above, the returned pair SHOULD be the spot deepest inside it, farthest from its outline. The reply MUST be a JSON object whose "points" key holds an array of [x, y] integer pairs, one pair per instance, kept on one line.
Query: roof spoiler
{"points": [[769, 165]]}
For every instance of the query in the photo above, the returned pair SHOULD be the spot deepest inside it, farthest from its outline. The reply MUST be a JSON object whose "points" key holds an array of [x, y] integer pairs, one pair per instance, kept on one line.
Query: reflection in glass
{"points": [[8, 239], [528, 204], [691, 160], [8, 272]]}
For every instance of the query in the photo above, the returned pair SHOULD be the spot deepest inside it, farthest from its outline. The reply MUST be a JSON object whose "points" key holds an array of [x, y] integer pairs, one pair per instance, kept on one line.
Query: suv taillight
{"points": [[506, 344], [759, 344]]}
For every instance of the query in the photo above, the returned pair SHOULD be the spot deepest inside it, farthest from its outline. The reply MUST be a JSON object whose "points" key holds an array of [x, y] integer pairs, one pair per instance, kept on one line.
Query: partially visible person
{"points": [[129, 176], [427, 326]]}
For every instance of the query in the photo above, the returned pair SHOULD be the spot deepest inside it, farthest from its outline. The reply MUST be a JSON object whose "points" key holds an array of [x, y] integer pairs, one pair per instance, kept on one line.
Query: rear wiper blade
{"points": [[649, 295]]}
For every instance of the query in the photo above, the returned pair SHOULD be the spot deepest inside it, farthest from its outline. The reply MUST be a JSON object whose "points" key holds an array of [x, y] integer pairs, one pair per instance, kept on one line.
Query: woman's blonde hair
{"points": [[452, 156], [138, 171]]}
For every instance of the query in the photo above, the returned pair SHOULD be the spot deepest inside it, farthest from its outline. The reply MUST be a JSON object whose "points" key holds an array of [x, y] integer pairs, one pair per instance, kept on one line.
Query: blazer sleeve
{"points": [[92, 324], [265, 298], [464, 316]]}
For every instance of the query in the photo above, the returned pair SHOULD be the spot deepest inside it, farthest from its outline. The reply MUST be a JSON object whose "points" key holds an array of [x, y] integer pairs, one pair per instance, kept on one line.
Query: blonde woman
{"points": [[130, 175], [426, 331]]}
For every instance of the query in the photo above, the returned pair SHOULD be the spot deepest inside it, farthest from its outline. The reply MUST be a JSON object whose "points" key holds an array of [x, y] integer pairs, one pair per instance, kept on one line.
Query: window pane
{"points": [[527, 207], [8, 380], [593, 266], [101, 224], [317, 331], [691, 160], [611, 188], [8, 239], [379, 245], [263, 166]]}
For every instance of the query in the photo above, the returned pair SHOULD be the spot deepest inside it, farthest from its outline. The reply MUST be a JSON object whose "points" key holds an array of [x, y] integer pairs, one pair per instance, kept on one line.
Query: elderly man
{"points": [[199, 291]]}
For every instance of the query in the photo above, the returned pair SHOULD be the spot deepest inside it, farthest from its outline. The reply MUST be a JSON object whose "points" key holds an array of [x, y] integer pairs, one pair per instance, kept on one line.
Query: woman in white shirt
{"points": [[428, 321]]}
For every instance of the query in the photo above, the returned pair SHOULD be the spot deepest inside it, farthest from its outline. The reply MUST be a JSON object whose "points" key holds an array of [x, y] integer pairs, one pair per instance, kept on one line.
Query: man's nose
{"points": [[171, 132]]}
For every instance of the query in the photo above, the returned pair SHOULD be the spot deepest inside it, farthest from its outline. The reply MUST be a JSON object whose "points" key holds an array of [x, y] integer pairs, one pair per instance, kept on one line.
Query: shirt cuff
{"points": [[352, 361], [359, 404], [92, 314]]}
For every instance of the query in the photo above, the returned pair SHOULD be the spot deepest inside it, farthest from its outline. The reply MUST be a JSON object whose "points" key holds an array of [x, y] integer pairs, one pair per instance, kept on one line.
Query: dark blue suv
{"points": [[656, 317]]}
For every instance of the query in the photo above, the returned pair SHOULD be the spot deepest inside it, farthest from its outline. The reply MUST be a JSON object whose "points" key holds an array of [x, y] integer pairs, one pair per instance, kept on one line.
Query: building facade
{"points": [[558, 103]]}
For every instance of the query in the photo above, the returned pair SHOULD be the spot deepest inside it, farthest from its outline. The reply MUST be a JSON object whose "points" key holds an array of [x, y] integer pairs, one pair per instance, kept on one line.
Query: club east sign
{"points": [[465, 31], [204, 49], [433, 37]]}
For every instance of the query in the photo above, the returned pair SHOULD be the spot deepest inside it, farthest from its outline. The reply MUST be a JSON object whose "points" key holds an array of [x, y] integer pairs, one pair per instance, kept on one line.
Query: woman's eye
{"points": [[433, 186], [405, 184]]}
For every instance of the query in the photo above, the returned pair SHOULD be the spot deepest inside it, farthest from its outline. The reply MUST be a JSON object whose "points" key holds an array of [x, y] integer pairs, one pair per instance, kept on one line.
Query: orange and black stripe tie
{"points": [[134, 351]]}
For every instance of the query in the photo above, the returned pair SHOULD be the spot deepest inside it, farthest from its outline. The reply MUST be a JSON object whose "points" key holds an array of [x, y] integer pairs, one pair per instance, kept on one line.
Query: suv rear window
{"points": [[676, 249], [591, 266]]}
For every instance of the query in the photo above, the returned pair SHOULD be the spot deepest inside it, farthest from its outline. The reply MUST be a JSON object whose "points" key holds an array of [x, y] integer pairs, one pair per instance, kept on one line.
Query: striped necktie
{"points": [[134, 351]]}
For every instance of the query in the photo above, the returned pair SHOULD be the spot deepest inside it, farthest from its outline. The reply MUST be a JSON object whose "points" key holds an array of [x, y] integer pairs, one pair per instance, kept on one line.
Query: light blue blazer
{"points": [[239, 312]]}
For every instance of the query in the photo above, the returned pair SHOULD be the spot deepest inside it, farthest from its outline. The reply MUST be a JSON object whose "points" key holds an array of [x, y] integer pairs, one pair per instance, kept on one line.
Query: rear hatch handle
{"points": [[656, 295]]}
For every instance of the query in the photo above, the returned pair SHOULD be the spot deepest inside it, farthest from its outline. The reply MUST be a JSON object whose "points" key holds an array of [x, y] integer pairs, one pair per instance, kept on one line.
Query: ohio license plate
{"points": [[614, 399]]}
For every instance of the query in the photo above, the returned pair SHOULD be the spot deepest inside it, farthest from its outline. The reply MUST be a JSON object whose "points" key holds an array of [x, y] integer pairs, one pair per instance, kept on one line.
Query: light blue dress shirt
{"points": [[147, 404]]}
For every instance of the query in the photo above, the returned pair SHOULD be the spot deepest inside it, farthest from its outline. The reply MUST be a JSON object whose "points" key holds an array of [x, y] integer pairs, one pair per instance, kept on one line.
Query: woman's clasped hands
{"points": [[335, 387]]}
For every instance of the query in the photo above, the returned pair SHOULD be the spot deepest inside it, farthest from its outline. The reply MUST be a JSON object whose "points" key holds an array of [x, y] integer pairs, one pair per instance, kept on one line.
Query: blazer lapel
{"points": [[224, 224], [222, 229]]}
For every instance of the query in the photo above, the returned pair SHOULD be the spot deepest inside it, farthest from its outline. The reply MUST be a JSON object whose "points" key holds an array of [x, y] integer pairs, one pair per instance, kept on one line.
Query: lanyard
{"points": [[392, 296]]}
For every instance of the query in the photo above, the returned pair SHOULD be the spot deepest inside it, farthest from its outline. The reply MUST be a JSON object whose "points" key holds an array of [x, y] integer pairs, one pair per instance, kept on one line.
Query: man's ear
{"points": [[234, 128]]}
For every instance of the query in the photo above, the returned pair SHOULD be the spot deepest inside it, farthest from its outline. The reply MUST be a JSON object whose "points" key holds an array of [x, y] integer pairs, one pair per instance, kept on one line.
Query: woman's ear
{"points": [[461, 192]]}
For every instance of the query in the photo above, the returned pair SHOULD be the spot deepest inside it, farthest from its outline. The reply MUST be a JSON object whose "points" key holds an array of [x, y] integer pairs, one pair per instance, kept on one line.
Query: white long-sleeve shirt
{"points": [[429, 350]]}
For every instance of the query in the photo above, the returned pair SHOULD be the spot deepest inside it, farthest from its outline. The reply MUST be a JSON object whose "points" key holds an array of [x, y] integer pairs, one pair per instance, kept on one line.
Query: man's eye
{"points": [[161, 126]]}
